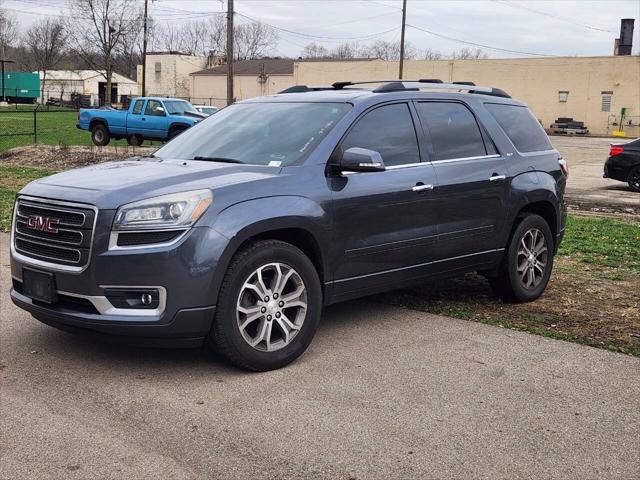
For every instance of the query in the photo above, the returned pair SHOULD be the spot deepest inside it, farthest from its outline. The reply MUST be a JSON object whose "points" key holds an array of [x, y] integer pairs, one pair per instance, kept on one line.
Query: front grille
{"points": [[58, 233]]}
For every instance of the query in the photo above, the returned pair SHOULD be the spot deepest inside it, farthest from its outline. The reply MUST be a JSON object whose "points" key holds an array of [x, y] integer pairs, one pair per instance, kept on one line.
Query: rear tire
{"points": [[262, 323], [634, 179], [527, 263], [135, 140], [100, 135]]}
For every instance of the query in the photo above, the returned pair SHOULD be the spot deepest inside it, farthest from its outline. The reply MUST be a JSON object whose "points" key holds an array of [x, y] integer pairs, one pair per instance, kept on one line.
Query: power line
{"points": [[550, 15], [478, 44]]}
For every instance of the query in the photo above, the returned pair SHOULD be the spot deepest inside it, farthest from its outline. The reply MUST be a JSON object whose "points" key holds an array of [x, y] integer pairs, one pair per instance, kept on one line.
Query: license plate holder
{"points": [[40, 286]]}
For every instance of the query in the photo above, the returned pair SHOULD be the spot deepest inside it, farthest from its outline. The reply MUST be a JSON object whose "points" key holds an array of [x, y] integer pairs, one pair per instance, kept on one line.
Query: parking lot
{"points": [[383, 393], [586, 189]]}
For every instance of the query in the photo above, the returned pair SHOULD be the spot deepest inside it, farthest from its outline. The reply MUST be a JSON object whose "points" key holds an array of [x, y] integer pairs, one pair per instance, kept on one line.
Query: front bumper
{"points": [[187, 271], [187, 329]]}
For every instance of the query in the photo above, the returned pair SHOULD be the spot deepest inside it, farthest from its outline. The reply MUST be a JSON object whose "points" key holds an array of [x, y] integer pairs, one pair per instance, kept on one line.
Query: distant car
{"points": [[146, 119], [623, 164], [206, 109]]}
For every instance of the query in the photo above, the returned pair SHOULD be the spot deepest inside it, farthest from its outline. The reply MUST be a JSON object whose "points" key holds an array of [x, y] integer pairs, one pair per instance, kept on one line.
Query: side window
{"points": [[522, 128], [137, 107], [154, 107], [453, 130], [389, 131]]}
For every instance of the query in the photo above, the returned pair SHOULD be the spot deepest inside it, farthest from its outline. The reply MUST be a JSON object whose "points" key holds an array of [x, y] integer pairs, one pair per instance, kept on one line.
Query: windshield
{"points": [[178, 107], [274, 134]]}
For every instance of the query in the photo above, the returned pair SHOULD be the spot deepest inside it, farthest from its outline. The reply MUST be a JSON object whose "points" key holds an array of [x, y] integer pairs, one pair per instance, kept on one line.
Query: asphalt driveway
{"points": [[382, 393]]}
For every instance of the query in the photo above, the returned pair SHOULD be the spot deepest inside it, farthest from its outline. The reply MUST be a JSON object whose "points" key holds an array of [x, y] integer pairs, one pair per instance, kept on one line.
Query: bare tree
{"points": [[432, 55], [45, 42], [346, 50], [254, 40], [313, 50], [390, 51], [8, 31], [469, 54], [98, 30]]}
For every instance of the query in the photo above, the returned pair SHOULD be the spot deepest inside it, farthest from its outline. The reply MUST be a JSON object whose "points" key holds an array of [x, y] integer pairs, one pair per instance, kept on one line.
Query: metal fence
{"points": [[48, 126]]}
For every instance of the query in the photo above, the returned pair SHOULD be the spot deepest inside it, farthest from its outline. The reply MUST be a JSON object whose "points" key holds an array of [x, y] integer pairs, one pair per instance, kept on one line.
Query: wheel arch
{"points": [[177, 126], [97, 121]]}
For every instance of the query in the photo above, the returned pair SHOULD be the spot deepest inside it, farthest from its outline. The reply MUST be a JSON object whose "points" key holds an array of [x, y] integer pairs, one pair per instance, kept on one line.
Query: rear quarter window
{"points": [[522, 128]]}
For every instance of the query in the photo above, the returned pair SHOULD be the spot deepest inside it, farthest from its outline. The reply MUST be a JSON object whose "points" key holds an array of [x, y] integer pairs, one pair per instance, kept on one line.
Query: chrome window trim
{"points": [[41, 263], [431, 162], [113, 239]]}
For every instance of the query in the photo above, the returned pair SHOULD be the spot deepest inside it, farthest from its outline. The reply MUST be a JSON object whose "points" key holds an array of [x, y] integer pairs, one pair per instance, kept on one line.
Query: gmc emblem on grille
{"points": [[43, 224]]}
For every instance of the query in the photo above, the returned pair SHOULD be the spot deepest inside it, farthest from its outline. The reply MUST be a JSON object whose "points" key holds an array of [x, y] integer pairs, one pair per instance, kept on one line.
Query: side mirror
{"points": [[356, 159]]}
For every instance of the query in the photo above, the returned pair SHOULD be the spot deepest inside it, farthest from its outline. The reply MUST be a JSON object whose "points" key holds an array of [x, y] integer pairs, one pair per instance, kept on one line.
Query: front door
{"points": [[384, 222], [471, 179]]}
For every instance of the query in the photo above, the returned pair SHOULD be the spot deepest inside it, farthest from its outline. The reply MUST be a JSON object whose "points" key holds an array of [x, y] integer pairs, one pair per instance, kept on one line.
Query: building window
{"points": [[563, 96], [606, 101]]}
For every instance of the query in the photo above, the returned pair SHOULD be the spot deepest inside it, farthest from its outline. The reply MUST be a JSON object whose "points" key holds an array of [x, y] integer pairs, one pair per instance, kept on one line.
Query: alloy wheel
{"points": [[271, 307], [532, 258]]}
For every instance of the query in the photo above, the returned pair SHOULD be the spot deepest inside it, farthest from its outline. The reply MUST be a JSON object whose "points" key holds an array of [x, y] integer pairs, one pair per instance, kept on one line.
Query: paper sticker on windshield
{"points": [[275, 163]]}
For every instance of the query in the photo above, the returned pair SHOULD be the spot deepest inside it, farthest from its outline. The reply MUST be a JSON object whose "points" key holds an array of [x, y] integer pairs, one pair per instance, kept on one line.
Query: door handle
{"points": [[143, 119], [421, 187], [497, 178]]}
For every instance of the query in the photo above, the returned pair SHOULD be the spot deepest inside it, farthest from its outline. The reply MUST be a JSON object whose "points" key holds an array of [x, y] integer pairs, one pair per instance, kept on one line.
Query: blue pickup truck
{"points": [[146, 119]]}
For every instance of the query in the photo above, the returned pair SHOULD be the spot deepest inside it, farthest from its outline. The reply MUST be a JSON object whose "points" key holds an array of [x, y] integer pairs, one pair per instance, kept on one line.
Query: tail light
{"points": [[615, 151], [563, 166]]}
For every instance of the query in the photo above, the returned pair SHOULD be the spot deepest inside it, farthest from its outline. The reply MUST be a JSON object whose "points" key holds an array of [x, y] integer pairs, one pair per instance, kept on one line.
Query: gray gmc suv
{"points": [[241, 229]]}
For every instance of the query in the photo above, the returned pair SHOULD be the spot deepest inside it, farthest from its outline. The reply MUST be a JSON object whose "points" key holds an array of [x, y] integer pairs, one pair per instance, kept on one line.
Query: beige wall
{"points": [[535, 81], [173, 79], [212, 89]]}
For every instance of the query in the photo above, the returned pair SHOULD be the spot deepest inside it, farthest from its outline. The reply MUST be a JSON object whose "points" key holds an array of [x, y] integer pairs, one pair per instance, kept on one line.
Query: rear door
{"points": [[471, 178], [384, 222]]}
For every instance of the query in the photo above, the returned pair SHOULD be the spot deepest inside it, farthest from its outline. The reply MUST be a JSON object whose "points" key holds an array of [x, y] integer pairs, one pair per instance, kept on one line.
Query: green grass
{"points": [[52, 128], [12, 179], [602, 242]]}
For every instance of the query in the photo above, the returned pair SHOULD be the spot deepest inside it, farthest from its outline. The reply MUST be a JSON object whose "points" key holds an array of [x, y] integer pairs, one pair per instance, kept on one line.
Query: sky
{"points": [[513, 28]]}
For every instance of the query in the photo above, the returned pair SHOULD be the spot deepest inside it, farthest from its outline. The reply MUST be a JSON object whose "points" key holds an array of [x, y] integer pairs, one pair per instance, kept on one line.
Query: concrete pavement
{"points": [[382, 393]]}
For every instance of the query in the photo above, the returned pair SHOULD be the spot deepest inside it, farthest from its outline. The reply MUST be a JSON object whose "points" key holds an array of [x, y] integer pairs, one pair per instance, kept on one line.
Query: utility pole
{"points": [[229, 52], [3, 61], [144, 51], [404, 20]]}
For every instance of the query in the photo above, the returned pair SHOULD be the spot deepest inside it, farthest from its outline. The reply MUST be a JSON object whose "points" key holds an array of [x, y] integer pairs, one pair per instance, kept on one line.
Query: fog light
{"points": [[142, 298]]}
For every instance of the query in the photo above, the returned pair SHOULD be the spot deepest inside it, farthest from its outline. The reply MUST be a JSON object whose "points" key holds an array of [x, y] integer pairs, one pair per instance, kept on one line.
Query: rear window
{"points": [[522, 128], [453, 130]]}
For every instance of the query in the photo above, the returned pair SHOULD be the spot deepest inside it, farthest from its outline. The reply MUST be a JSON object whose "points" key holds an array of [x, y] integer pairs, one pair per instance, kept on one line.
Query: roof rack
{"points": [[406, 85]]}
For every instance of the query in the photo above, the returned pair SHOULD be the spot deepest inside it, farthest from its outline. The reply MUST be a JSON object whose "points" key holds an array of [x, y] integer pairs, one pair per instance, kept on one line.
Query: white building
{"points": [[60, 84], [167, 73]]}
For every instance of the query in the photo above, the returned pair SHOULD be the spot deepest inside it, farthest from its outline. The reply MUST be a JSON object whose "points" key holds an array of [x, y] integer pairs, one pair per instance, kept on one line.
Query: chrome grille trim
{"points": [[53, 206]]}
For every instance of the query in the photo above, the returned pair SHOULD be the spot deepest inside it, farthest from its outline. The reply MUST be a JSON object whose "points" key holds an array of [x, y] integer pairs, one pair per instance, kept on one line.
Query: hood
{"points": [[109, 185]]}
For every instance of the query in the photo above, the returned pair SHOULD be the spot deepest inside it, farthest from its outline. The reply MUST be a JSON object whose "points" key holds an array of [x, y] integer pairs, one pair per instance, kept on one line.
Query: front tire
{"points": [[634, 179], [100, 135], [526, 267], [268, 308], [135, 140]]}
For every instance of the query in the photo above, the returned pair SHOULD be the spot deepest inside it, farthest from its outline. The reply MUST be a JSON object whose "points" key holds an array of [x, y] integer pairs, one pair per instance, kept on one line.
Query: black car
{"points": [[241, 229], [623, 164]]}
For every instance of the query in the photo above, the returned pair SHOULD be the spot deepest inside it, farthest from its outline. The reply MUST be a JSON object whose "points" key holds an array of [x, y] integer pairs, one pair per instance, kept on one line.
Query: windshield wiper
{"points": [[217, 159]]}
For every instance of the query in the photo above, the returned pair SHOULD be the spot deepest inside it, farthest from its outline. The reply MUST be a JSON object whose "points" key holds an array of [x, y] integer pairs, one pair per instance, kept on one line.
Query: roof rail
{"points": [[405, 85], [304, 88]]}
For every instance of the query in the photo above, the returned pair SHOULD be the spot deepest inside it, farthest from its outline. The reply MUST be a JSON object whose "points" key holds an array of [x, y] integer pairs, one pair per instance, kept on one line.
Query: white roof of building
{"points": [[81, 75]]}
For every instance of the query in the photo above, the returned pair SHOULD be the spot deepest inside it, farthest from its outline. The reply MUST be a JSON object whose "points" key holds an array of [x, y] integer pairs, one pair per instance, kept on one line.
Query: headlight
{"points": [[177, 210]]}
